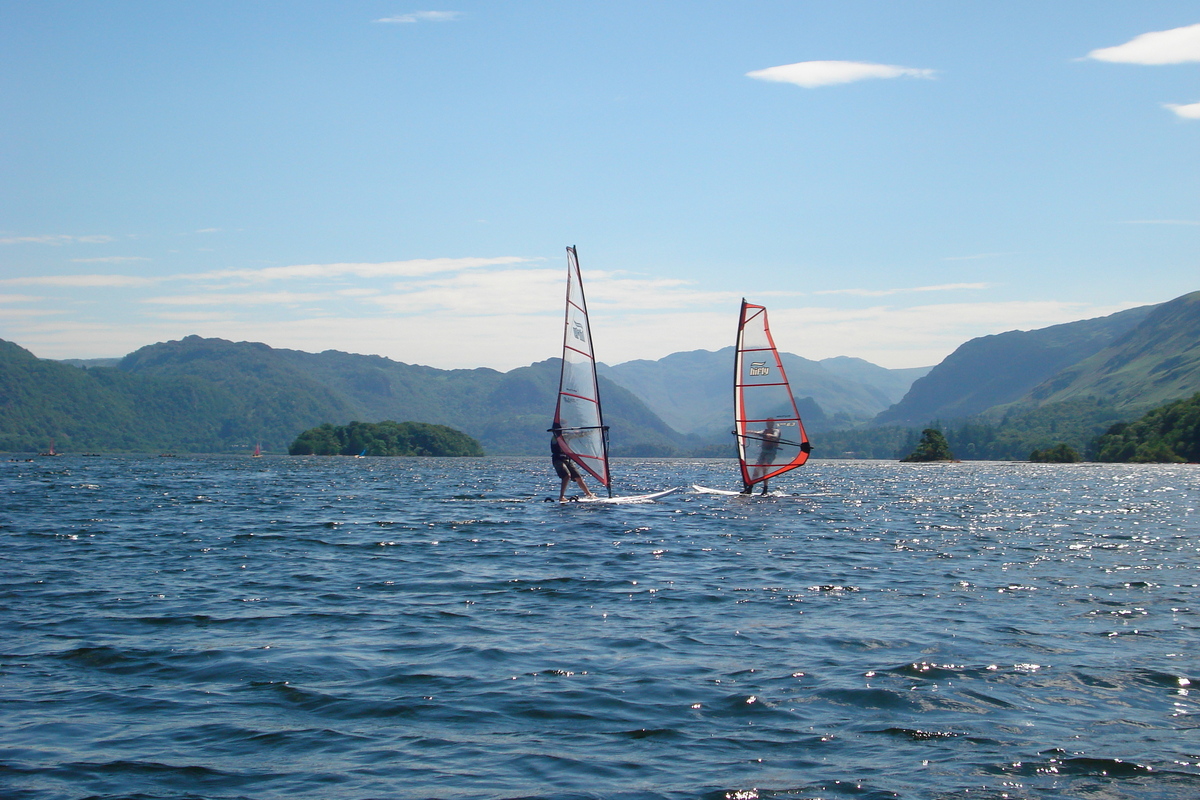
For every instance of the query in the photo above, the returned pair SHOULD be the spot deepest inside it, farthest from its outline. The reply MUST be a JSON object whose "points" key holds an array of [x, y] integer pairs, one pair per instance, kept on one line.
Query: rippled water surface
{"points": [[283, 628]]}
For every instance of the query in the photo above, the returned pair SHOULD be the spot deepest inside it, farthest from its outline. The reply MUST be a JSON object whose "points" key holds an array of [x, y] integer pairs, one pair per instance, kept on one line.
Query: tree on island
{"points": [[1061, 453], [386, 438], [932, 447]]}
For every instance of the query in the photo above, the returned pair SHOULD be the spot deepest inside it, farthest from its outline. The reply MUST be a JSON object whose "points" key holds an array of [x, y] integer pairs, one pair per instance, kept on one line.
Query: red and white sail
{"points": [[578, 421], [770, 436]]}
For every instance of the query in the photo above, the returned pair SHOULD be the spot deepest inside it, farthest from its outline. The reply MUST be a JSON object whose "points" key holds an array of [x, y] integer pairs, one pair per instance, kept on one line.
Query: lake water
{"points": [[284, 628]]}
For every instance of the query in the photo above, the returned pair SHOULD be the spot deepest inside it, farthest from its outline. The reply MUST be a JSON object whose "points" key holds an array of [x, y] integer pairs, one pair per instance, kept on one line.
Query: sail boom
{"points": [[586, 400], [583, 353]]}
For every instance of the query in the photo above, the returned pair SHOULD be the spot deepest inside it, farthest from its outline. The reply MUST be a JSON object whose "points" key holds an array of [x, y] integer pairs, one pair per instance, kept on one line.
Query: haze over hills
{"points": [[1006, 392], [693, 391]]}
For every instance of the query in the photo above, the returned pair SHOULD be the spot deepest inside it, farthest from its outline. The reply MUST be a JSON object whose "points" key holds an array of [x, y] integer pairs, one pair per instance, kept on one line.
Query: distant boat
{"points": [[363, 454], [578, 420], [257, 451], [770, 436], [51, 451]]}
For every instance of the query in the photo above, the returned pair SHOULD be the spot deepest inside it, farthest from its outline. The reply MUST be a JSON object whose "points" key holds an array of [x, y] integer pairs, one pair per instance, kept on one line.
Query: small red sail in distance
{"points": [[578, 420], [770, 436]]}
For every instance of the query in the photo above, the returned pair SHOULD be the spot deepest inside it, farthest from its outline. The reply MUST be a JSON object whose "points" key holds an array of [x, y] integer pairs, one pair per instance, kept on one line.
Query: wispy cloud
{"points": [[811, 74], [385, 269], [1160, 222], [80, 281], [499, 312], [57, 239], [240, 299], [944, 287], [192, 316], [1174, 46], [1189, 111], [423, 16], [109, 259]]}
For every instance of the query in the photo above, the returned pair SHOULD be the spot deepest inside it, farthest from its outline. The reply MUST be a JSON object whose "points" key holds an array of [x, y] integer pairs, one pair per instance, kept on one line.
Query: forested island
{"points": [[932, 447], [385, 438]]}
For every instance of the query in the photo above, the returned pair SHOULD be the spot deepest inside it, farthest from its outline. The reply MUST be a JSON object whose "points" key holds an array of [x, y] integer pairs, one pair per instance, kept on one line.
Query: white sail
{"points": [[578, 421]]}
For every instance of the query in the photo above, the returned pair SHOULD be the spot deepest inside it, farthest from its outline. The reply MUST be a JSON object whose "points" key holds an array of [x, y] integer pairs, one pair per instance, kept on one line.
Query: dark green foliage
{"points": [[932, 447], [1010, 438], [384, 439], [1026, 428], [1061, 453], [1166, 434]]}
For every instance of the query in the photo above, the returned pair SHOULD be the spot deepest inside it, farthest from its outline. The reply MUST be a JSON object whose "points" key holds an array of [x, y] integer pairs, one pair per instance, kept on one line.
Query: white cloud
{"points": [[245, 299], [1174, 46], [56, 239], [192, 316], [495, 312], [945, 287], [503, 292], [385, 269], [422, 16], [109, 259], [80, 281], [811, 74], [1190, 111]]}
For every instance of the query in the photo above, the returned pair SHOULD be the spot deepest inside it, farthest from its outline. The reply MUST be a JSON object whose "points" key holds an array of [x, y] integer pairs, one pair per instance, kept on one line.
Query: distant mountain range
{"points": [[212, 395], [693, 391]]}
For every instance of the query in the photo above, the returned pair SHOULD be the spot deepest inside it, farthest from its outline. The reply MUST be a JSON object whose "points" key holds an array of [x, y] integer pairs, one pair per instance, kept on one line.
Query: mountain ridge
{"points": [[991, 371]]}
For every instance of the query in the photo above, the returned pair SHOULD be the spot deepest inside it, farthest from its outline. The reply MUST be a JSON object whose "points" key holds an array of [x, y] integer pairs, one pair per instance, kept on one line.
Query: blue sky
{"points": [[889, 178]]}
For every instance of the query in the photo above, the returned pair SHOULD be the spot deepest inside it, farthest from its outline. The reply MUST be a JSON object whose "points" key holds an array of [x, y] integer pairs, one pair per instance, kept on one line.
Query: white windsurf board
{"points": [[633, 498]]}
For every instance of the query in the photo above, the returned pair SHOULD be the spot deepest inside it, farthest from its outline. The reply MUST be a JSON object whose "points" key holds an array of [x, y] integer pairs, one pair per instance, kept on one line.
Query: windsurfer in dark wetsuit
{"points": [[769, 441], [564, 466]]}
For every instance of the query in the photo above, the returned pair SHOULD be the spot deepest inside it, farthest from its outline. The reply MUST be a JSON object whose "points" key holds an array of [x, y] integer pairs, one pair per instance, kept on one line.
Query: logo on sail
{"points": [[577, 329], [758, 368]]}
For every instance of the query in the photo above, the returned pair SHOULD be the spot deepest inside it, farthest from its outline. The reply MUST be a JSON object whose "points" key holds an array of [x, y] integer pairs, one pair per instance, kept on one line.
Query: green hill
{"points": [[995, 370], [103, 408], [1157, 361], [213, 395]]}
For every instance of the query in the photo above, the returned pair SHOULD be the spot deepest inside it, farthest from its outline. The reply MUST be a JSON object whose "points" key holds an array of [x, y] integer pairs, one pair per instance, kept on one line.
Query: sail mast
{"points": [[578, 419], [770, 436]]}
